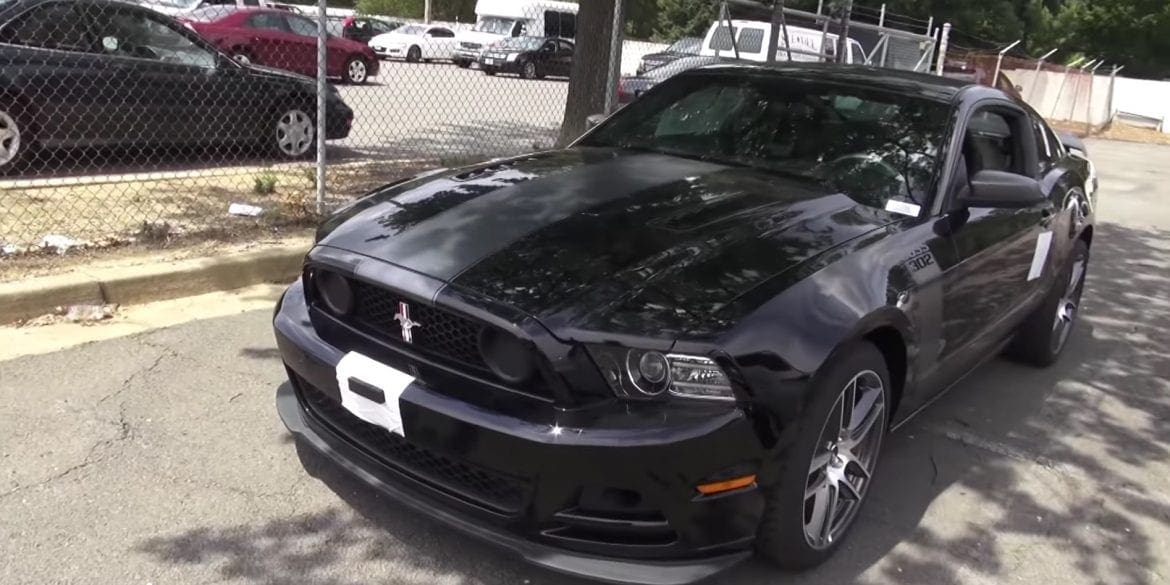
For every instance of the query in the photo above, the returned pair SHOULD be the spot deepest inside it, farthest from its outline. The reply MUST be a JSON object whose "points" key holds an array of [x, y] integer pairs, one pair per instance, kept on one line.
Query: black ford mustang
{"points": [[683, 338]]}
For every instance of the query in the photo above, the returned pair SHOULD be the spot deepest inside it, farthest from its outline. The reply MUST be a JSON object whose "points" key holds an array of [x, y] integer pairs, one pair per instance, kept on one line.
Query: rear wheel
{"points": [[463, 64], [11, 133], [413, 54], [489, 70], [356, 71], [1043, 335], [294, 134], [528, 70], [827, 472]]}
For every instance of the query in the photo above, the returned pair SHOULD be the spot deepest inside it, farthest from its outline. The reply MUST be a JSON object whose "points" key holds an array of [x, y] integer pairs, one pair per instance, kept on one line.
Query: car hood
{"points": [[594, 240], [393, 37]]}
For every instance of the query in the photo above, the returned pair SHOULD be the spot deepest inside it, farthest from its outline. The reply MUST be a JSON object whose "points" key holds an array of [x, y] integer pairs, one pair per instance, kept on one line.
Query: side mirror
{"points": [[1002, 189], [593, 120]]}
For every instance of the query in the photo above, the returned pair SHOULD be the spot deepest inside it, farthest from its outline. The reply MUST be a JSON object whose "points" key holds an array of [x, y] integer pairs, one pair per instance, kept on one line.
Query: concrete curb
{"points": [[127, 285]]}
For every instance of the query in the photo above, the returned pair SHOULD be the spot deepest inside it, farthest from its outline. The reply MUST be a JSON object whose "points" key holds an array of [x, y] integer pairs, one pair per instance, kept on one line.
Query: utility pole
{"points": [[426, 11], [843, 37], [615, 56]]}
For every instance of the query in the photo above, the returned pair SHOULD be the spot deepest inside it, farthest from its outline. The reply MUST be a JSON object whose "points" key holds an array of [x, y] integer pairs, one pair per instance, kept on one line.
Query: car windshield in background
{"points": [[872, 145], [686, 45], [413, 30], [211, 13], [495, 25], [522, 43]]}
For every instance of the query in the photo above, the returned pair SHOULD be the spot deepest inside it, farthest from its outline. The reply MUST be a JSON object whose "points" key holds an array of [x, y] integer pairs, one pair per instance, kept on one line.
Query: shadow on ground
{"points": [[1011, 456]]}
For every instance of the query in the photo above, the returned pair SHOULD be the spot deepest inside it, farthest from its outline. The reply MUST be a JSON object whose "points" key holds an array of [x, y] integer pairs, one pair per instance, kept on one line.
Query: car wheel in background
{"points": [[828, 469], [528, 70], [11, 145], [413, 54], [488, 70], [356, 71], [463, 64], [294, 134], [1043, 335]]}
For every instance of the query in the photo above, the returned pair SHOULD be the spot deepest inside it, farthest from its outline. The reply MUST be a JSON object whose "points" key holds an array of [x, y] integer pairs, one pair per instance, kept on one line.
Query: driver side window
{"points": [[301, 26], [131, 33], [992, 143]]}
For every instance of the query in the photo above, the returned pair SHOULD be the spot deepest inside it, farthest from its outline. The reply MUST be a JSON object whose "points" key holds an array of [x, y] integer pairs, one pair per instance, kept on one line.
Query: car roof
{"points": [[894, 80]]}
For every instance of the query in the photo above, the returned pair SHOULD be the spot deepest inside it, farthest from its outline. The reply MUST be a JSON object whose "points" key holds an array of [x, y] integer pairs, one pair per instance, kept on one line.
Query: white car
{"points": [[415, 42]]}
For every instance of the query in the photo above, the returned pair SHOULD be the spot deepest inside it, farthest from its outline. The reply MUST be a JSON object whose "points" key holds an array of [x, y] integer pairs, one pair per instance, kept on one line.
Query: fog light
{"points": [[334, 291]]}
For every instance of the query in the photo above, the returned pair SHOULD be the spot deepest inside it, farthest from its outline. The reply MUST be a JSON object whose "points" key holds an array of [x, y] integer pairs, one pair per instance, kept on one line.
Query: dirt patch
{"points": [[1113, 131]]}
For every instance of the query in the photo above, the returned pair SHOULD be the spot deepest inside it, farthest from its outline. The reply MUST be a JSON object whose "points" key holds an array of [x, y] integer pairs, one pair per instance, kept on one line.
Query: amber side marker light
{"points": [[717, 487]]}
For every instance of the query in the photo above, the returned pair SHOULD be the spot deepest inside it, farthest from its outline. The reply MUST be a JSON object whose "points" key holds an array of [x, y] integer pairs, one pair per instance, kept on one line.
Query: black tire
{"points": [[782, 534], [488, 71], [413, 54], [288, 137], [1041, 339], [15, 139], [463, 64], [528, 70], [357, 71]]}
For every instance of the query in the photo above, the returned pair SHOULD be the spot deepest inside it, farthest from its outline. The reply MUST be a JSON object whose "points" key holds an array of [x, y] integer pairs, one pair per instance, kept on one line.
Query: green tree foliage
{"points": [[683, 18], [446, 10]]}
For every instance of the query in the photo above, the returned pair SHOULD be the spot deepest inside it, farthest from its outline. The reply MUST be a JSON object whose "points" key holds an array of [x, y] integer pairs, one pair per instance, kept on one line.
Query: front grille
{"points": [[471, 46], [465, 481], [440, 333]]}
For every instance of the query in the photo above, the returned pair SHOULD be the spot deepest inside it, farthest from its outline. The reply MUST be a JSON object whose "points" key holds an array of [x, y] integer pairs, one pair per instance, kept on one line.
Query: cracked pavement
{"points": [[159, 458]]}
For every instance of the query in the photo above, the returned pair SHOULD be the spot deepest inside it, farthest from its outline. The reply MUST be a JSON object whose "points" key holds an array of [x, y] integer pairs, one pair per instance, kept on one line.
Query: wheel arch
{"points": [[28, 114]]}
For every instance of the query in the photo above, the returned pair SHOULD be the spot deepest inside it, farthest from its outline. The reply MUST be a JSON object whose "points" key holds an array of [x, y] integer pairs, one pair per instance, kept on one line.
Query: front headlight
{"points": [[513, 56], [643, 375]]}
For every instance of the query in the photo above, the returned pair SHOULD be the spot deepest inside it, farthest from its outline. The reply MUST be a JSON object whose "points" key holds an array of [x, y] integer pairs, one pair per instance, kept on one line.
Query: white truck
{"points": [[499, 19], [751, 42]]}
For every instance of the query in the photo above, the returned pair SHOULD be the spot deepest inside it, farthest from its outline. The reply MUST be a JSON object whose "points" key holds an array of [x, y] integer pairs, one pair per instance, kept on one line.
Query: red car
{"points": [[280, 39]]}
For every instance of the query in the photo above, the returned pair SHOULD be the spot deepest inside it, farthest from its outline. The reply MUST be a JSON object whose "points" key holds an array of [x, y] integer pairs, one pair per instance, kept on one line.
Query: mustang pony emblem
{"points": [[403, 318]]}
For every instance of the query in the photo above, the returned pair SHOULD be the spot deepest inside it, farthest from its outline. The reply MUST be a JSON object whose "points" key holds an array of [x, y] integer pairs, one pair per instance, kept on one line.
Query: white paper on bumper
{"points": [[1040, 257], [374, 373]]}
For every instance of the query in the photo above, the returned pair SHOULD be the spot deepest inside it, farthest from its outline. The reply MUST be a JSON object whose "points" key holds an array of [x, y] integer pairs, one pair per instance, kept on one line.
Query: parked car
{"points": [[631, 88], [529, 57], [282, 39], [684, 47], [497, 20], [181, 8], [683, 338], [414, 43], [103, 73], [362, 29], [751, 39]]}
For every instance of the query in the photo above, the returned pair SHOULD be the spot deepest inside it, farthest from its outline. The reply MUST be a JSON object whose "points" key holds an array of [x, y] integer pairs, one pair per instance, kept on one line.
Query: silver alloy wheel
{"points": [[357, 71], [242, 58], [9, 138], [844, 459], [295, 132], [1070, 300], [530, 70]]}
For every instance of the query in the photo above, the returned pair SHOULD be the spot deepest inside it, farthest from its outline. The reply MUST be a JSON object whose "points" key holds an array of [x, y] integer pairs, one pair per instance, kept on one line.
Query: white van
{"points": [[499, 19], [751, 40]]}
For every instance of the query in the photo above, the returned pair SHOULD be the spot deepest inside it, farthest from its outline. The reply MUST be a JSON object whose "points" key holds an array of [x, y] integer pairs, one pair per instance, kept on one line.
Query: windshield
{"points": [[521, 43], [211, 13], [686, 45], [412, 30], [495, 25], [872, 145]]}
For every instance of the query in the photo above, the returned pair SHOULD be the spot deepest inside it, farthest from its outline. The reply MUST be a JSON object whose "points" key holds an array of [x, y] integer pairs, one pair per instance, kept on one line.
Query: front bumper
{"points": [[501, 64], [397, 52], [612, 499], [466, 55]]}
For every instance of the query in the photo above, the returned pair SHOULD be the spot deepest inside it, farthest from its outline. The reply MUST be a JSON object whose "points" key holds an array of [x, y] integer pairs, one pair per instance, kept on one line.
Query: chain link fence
{"points": [[171, 118]]}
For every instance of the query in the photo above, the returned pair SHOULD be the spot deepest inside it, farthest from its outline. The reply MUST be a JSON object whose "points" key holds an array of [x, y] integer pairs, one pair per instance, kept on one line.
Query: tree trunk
{"points": [[590, 67]]}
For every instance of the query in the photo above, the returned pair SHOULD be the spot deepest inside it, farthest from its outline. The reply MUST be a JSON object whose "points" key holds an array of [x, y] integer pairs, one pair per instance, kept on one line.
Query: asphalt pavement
{"points": [[158, 458]]}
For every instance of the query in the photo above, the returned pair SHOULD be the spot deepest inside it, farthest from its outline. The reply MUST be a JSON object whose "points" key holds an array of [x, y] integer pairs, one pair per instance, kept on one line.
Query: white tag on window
{"points": [[1040, 257], [895, 206], [376, 377]]}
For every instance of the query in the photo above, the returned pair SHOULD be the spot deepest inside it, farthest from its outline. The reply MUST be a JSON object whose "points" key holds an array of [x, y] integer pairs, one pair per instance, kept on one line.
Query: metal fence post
{"points": [[999, 62], [322, 89], [943, 39], [1063, 81], [615, 56], [1036, 75]]}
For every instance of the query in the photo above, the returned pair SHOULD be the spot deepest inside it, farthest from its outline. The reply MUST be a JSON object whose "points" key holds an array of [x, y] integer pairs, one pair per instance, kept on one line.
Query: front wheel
{"points": [[294, 134], [463, 64], [528, 70], [414, 54], [489, 70], [1044, 334], [827, 471], [356, 71]]}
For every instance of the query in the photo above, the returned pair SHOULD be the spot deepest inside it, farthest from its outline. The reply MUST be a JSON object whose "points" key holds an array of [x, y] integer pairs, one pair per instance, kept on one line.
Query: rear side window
{"points": [[301, 26], [51, 26], [266, 21], [751, 40]]}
